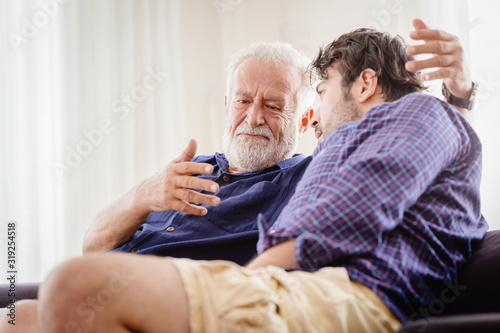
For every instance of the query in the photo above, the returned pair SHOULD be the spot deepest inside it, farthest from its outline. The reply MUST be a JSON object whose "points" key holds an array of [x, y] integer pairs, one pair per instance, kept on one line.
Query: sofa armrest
{"points": [[22, 291], [484, 323], [480, 276]]}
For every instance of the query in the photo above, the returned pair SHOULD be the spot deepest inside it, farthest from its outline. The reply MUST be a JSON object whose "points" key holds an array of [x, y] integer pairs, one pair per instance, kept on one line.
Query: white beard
{"points": [[257, 154]]}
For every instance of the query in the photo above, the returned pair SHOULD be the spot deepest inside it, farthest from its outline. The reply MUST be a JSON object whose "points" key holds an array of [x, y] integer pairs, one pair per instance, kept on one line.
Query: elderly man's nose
{"points": [[315, 119], [255, 115]]}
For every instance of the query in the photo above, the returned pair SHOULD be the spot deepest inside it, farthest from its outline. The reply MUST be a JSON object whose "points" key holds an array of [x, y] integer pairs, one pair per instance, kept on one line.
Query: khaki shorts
{"points": [[225, 297]]}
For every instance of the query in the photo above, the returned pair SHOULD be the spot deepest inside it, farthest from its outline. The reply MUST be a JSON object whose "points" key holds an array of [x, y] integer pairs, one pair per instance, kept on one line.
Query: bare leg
{"points": [[114, 293], [25, 320]]}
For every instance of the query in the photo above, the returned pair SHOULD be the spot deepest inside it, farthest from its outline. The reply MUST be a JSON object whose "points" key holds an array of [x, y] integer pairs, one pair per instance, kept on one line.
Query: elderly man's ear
{"points": [[304, 120]]}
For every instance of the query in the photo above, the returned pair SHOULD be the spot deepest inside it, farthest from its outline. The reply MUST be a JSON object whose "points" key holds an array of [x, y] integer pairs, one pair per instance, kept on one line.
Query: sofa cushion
{"points": [[480, 279], [21, 291]]}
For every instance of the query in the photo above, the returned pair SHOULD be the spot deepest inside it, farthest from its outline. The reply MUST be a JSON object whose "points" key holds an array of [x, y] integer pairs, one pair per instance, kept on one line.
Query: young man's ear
{"points": [[367, 85], [304, 120]]}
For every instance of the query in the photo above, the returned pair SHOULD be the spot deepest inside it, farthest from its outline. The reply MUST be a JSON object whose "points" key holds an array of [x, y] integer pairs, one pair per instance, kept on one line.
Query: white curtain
{"points": [[484, 33], [91, 100], [96, 95]]}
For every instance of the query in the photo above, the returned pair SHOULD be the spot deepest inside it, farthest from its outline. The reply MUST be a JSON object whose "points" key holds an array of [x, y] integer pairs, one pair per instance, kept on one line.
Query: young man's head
{"points": [[268, 91], [359, 70]]}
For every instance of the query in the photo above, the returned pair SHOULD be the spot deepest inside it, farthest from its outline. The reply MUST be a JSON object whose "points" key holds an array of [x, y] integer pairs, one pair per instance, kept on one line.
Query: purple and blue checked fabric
{"points": [[393, 198]]}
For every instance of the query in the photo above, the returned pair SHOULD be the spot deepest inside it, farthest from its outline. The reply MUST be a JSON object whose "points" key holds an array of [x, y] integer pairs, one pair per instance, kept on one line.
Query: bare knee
{"points": [[60, 293], [76, 292]]}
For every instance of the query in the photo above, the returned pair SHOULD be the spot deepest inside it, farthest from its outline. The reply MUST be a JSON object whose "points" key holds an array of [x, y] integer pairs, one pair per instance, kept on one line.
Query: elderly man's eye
{"points": [[274, 108], [241, 103]]}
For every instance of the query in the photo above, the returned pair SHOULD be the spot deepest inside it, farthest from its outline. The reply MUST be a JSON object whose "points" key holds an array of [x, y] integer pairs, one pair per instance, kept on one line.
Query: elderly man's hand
{"points": [[173, 187], [448, 56]]}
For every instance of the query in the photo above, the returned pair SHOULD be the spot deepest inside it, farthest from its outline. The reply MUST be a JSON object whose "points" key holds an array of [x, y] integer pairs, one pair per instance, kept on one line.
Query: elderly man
{"points": [[385, 212], [267, 109], [174, 214]]}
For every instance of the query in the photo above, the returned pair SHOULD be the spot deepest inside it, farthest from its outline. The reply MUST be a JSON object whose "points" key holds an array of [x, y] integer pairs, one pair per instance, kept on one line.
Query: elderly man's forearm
{"points": [[112, 227]]}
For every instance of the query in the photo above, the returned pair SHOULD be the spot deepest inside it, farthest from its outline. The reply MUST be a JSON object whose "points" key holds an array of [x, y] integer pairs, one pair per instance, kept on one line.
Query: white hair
{"points": [[276, 54]]}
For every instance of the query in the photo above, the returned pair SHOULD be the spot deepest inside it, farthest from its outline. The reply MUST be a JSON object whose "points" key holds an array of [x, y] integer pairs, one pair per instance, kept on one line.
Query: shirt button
{"points": [[226, 178], [134, 250], [272, 231], [170, 229]]}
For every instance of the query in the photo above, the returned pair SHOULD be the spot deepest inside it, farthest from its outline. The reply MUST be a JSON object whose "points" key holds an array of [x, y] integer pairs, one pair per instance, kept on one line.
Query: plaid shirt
{"points": [[394, 199]]}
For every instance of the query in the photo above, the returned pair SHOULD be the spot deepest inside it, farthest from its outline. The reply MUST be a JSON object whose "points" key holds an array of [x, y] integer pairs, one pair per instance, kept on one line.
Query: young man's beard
{"points": [[346, 110]]}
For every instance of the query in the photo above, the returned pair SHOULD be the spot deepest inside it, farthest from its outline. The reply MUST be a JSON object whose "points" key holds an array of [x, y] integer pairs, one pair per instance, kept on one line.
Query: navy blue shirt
{"points": [[228, 231]]}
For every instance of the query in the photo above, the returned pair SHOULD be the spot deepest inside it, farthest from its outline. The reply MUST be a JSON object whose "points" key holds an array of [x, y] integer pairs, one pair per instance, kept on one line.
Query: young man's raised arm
{"points": [[448, 55]]}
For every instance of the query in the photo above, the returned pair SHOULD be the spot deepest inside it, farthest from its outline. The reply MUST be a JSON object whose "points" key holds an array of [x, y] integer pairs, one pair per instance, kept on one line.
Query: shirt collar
{"points": [[338, 136], [224, 164]]}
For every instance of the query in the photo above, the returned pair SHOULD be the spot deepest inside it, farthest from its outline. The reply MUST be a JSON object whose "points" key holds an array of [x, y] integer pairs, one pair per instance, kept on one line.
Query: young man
{"points": [[385, 212]]}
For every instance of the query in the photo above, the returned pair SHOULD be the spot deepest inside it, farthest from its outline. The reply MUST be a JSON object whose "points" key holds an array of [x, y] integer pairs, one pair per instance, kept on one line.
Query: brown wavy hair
{"points": [[367, 48]]}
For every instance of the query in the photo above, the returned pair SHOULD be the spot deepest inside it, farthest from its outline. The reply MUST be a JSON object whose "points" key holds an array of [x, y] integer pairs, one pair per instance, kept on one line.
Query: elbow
{"points": [[87, 246], [91, 244]]}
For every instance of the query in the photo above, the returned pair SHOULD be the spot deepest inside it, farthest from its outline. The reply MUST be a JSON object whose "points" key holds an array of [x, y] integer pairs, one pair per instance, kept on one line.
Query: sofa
{"points": [[473, 306], [476, 307]]}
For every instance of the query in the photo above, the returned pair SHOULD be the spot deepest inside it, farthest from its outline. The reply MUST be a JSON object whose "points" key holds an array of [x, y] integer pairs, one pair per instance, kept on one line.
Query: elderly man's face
{"points": [[261, 126]]}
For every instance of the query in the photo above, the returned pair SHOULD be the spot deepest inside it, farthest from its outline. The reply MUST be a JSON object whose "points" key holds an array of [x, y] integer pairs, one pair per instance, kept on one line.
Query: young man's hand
{"points": [[281, 255], [448, 56]]}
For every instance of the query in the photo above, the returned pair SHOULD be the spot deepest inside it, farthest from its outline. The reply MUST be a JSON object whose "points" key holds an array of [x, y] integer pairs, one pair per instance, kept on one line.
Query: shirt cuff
{"points": [[263, 242], [303, 254], [269, 237]]}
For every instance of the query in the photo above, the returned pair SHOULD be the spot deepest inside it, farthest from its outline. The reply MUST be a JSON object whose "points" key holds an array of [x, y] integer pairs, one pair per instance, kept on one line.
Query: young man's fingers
{"points": [[441, 73], [431, 34], [419, 24], [434, 47], [434, 62]]}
